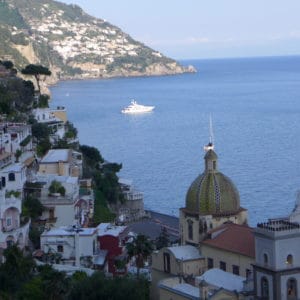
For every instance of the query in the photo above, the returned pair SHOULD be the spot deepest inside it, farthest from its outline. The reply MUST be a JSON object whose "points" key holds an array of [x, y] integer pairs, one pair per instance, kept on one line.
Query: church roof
{"points": [[234, 238], [211, 154], [212, 192]]}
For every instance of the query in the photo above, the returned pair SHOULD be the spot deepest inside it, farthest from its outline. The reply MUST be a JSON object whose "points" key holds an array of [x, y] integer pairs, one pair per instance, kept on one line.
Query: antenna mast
{"points": [[210, 145]]}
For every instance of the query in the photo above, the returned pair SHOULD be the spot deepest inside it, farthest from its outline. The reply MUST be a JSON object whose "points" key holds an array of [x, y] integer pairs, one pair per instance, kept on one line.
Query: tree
{"points": [[98, 286], [36, 71], [71, 131], [91, 155], [139, 248], [56, 187], [16, 270], [40, 131], [8, 64], [43, 101], [47, 284], [32, 207]]}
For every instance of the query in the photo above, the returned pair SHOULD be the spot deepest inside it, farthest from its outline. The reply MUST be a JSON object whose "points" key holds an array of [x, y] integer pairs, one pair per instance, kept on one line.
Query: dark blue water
{"points": [[255, 107]]}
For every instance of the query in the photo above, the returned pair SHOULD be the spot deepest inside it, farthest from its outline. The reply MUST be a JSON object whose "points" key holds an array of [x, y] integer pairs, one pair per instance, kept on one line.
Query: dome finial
{"points": [[210, 145]]}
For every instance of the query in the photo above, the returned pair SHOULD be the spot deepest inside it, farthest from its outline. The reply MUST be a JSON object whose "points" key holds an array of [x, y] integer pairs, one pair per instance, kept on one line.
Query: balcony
{"points": [[58, 199]]}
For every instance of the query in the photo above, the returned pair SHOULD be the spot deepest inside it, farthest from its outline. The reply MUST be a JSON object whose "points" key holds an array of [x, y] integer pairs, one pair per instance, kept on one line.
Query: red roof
{"points": [[232, 237]]}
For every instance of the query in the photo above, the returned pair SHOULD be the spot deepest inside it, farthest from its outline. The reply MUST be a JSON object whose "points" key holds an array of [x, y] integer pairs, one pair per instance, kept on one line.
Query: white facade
{"points": [[73, 244], [12, 230], [13, 137], [13, 177], [51, 118], [276, 270], [60, 210]]}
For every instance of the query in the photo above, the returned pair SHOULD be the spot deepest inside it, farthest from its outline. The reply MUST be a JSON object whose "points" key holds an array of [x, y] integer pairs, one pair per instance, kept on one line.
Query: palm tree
{"points": [[36, 71], [140, 248]]}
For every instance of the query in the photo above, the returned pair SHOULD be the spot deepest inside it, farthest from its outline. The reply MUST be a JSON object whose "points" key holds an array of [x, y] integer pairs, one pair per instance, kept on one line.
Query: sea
{"points": [[254, 104]]}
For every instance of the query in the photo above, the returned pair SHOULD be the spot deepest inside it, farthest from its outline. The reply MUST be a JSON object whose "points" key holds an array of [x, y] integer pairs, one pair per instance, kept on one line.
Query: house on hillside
{"points": [[63, 162], [112, 238], [13, 228], [14, 137], [60, 205], [185, 261], [70, 245], [13, 177], [133, 207], [54, 118]]}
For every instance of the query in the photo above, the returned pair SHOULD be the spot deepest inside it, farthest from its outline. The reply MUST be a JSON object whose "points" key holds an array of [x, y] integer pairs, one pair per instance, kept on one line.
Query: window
{"points": [[9, 243], [264, 288], [11, 177], [223, 265], [167, 262], [210, 263], [51, 213], [248, 273], [8, 222], [190, 229], [235, 270], [266, 259], [289, 259], [3, 181], [60, 248], [214, 165], [292, 289]]}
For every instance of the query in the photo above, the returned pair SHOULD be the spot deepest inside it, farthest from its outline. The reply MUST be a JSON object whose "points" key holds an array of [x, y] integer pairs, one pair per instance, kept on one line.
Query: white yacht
{"points": [[135, 108]]}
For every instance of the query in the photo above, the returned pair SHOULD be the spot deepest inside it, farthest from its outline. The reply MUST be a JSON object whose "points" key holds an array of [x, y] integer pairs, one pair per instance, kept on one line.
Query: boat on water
{"points": [[135, 108]]}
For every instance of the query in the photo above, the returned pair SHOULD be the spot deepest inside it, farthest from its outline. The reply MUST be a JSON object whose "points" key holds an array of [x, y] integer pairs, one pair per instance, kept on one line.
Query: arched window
{"points": [[264, 288], [289, 259], [167, 262], [190, 229], [266, 259], [11, 177], [291, 289]]}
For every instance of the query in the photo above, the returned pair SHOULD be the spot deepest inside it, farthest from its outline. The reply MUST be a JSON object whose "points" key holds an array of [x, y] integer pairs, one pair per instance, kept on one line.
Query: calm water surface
{"points": [[255, 106]]}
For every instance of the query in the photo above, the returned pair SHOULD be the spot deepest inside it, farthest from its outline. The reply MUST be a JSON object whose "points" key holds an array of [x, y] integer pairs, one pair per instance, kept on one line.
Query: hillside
{"points": [[74, 44]]}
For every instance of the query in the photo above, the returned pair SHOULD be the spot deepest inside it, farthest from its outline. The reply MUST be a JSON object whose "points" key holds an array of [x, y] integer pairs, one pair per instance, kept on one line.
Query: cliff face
{"points": [[73, 44]]}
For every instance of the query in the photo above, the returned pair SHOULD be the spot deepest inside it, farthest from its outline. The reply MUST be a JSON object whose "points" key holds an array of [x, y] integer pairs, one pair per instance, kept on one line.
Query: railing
{"points": [[279, 225], [56, 200]]}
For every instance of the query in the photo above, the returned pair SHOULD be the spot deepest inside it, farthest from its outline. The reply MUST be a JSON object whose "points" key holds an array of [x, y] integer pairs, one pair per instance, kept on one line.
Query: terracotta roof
{"points": [[232, 237]]}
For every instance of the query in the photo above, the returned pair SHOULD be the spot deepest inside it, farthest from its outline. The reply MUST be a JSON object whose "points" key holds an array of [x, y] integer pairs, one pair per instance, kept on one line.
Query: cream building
{"points": [[184, 261], [63, 162], [231, 248]]}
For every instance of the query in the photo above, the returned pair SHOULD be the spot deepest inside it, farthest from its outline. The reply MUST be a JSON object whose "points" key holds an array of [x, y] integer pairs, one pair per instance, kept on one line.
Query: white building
{"points": [[15, 136], [133, 208], [76, 246], [13, 177], [54, 118], [277, 266], [60, 209], [13, 229]]}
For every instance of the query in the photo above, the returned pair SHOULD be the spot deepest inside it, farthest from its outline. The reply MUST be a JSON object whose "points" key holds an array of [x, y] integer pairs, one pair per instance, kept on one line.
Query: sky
{"points": [[191, 29]]}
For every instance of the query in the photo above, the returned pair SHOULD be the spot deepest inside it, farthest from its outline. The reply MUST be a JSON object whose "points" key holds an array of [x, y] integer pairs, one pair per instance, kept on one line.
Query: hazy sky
{"points": [[206, 28]]}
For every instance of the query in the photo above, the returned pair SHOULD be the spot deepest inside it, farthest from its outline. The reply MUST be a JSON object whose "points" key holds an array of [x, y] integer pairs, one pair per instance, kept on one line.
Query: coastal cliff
{"points": [[74, 44]]}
